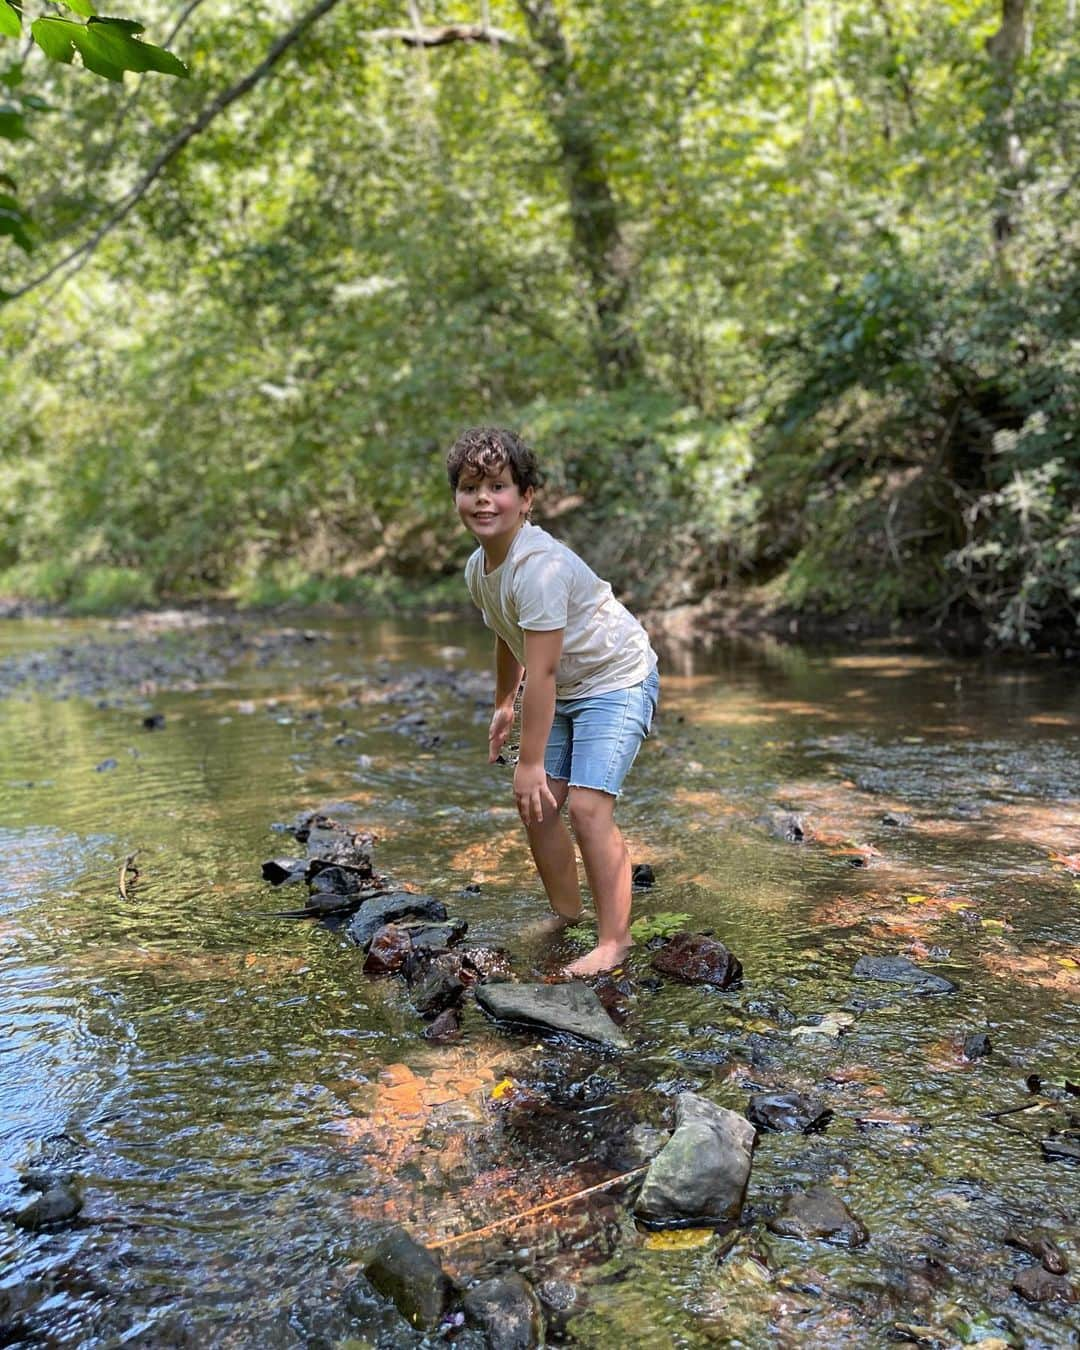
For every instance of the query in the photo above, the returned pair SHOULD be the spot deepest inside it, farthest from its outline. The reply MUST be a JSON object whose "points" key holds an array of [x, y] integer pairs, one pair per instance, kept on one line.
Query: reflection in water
{"points": [[245, 1107]]}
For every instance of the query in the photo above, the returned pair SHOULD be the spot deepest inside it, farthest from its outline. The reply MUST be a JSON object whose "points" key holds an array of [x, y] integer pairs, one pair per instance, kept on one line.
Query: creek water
{"points": [[245, 1108]]}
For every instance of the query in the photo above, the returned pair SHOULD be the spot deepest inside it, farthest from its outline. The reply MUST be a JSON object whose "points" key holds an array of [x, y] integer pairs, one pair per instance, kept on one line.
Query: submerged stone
{"points": [[412, 1278], [819, 1213], [390, 908], [701, 1174], [445, 1028], [787, 1113], [1043, 1248], [899, 970], [698, 960], [572, 1008], [977, 1045], [58, 1204], [507, 1311], [1037, 1285]]}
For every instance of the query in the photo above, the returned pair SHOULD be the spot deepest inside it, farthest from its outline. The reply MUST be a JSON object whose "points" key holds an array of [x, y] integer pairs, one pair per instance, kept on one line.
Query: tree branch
{"points": [[445, 35], [127, 203]]}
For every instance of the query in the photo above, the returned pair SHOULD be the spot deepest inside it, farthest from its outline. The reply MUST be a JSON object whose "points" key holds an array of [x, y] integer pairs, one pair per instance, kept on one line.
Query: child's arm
{"points": [[542, 652], [508, 673]]}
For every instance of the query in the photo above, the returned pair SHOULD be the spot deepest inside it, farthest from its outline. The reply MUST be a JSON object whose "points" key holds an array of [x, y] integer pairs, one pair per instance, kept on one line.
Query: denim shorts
{"points": [[595, 739]]}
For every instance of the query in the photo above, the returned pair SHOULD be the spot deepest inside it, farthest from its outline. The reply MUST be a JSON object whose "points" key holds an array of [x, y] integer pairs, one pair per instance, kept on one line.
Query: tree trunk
{"points": [[594, 217], [1005, 48]]}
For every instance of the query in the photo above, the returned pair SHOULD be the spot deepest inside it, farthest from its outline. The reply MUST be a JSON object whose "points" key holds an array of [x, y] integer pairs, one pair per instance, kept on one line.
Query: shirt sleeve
{"points": [[542, 592]]}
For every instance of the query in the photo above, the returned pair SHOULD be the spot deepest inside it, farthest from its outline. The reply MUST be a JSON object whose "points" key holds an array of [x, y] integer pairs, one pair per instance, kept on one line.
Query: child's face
{"points": [[491, 506]]}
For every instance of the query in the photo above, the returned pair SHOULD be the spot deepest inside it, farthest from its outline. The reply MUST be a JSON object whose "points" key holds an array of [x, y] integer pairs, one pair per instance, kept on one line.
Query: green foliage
{"points": [[662, 925], [852, 393]]}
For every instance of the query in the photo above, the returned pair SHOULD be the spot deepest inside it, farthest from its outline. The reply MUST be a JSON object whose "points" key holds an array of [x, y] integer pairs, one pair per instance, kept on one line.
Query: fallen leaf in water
{"points": [[832, 1024], [678, 1239], [1070, 861]]}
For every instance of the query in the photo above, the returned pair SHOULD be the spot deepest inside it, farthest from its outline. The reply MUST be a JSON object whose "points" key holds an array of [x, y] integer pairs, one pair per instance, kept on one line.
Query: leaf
{"points": [[106, 46], [12, 125], [10, 21], [53, 36], [678, 1239], [83, 7], [110, 42], [659, 925], [832, 1024]]}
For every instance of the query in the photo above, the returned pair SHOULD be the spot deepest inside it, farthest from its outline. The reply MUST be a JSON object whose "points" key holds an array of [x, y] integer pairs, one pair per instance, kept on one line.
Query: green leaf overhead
{"points": [[107, 47], [10, 20], [82, 7]]}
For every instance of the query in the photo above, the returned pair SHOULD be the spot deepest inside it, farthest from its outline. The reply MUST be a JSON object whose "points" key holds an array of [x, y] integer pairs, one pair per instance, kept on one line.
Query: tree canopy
{"points": [[787, 296]]}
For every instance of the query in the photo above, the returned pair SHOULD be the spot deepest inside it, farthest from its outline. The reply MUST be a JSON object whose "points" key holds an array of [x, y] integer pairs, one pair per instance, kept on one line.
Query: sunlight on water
{"points": [[245, 1107]]}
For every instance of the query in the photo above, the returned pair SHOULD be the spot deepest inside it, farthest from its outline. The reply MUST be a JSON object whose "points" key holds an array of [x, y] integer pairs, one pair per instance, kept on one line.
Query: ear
{"points": [[527, 499]]}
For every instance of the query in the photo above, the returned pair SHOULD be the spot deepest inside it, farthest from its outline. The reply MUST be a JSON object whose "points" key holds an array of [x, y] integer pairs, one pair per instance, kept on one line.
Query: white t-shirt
{"points": [[542, 585]]}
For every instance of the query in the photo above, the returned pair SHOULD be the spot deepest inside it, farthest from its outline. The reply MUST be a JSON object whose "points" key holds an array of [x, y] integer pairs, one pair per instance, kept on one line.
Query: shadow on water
{"points": [[245, 1108]]}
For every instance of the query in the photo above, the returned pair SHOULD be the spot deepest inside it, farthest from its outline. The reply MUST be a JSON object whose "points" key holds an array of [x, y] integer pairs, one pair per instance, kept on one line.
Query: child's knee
{"points": [[591, 811]]}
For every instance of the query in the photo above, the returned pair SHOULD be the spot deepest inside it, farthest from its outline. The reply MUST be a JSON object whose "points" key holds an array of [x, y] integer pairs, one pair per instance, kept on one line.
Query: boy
{"points": [[591, 684]]}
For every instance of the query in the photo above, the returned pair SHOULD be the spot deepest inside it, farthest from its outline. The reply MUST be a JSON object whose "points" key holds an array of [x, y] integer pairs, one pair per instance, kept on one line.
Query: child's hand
{"points": [[532, 792], [501, 725]]}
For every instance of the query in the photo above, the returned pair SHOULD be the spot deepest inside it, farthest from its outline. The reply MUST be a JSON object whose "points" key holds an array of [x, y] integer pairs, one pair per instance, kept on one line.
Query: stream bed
{"points": [[245, 1110]]}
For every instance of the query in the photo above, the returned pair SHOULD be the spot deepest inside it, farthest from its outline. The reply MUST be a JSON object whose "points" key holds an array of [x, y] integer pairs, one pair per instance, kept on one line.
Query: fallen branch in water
{"points": [[128, 864], [536, 1209]]}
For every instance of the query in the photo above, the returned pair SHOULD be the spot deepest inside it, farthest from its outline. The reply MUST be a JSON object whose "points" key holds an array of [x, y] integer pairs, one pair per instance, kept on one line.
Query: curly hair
{"points": [[489, 450]]}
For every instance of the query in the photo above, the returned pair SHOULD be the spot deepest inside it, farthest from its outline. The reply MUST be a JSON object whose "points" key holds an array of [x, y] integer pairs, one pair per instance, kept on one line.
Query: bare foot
{"points": [[606, 956], [554, 923]]}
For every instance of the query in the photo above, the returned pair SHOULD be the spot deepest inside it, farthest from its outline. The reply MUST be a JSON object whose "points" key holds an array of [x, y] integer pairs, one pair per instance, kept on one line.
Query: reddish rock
{"points": [[388, 952], [698, 960]]}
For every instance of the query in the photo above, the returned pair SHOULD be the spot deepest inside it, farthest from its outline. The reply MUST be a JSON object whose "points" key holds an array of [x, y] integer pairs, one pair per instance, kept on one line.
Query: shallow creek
{"points": [[245, 1108]]}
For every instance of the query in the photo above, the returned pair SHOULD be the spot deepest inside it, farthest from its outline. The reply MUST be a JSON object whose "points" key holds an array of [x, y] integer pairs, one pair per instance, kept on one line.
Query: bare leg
{"points": [[553, 853], [607, 866]]}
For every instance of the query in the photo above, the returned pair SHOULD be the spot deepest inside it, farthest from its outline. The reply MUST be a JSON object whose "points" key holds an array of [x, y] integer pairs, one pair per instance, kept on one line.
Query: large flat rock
{"points": [[570, 1008], [375, 914]]}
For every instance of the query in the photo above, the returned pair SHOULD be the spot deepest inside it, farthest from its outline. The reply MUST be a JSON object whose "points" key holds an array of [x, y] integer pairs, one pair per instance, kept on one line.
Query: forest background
{"points": [[786, 294]]}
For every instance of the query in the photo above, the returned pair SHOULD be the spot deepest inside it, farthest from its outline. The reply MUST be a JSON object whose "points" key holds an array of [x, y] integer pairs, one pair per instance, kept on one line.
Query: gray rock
{"points": [[508, 1313], [787, 1112], [440, 987], [701, 1173], [899, 970], [56, 1205], [819, 1213], [436, 937], [572, 1008], [976, 1045], [412, 1278], [384, 909], [284, 871]]}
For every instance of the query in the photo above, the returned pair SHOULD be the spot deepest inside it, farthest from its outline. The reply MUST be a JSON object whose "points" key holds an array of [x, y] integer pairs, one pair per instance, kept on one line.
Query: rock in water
{"points": [[572, 1008], [1037, 1285], [642, 877], [787, 1112], [507, 1311], [387, 951], [58, 1204], [698, 960], [819, 1213], [977, 1045], [440, 987], [899, 970], [412, 1278], [390, 908], [701, 1173], [284, 871]]}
